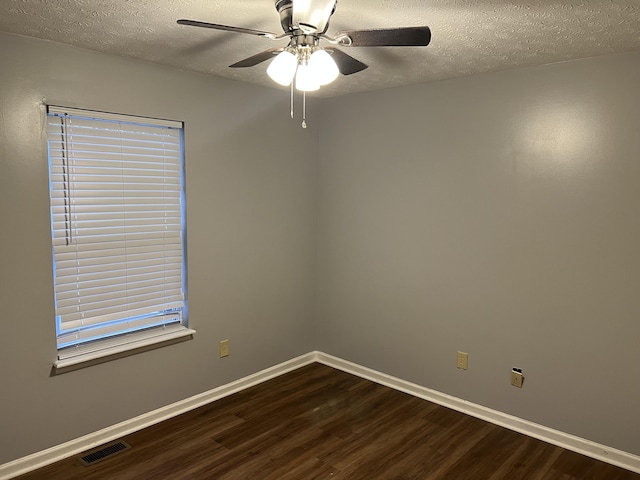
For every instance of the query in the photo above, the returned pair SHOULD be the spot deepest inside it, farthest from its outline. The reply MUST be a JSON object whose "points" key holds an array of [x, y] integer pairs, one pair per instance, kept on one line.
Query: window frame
{"points": [[166, 326]]}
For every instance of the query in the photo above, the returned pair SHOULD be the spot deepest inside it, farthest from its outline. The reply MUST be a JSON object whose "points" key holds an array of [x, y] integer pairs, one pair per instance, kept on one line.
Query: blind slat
{"points": [[108, 291], [116, 317], [96, 316], [54, 110], [90, 310], [148, 250]]}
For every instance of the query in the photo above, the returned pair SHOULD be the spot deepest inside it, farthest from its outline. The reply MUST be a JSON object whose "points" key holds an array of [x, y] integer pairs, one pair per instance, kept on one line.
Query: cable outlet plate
{"points": [[517, 378], [463, 361], [224, 348]]}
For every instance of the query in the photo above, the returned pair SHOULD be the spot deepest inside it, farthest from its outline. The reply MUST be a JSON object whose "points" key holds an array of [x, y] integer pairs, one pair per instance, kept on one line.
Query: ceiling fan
{"points": [[305, 23]]}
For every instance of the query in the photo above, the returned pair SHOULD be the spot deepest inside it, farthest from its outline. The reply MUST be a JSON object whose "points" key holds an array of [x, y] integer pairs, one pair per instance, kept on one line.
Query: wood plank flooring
{"points": [[320, 423]]}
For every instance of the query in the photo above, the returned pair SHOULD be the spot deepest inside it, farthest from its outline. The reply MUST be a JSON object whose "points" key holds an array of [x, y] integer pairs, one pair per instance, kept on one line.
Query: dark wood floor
{"points": [[321, 423]]}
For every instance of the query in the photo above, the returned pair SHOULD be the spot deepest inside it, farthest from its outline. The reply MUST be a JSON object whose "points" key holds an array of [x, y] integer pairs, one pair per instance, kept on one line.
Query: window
{"points": [[117, 222]]}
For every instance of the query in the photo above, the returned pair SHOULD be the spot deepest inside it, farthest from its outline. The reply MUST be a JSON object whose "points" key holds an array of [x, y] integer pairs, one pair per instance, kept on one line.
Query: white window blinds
{"points": [[117, 203]]}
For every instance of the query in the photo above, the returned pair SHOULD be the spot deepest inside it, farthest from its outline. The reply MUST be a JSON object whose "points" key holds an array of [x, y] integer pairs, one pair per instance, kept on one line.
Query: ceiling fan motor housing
{"points": [[285, 9]]}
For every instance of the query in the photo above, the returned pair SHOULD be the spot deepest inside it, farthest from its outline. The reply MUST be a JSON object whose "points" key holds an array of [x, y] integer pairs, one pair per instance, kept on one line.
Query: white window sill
{"points": [[100, 351]]}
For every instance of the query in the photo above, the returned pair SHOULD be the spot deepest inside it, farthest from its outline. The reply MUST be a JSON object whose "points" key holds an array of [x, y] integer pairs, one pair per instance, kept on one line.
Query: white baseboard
{"points": [[86, 442], [570, 442]]}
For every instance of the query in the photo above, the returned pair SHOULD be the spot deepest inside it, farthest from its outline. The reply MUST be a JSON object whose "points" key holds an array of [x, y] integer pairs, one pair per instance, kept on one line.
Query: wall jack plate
{"points": [[517, 378]]}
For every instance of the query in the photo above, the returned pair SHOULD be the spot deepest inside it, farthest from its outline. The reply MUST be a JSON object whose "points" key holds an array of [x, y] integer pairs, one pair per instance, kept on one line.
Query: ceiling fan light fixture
{"points": [[306, 80], [282, 69], [303, 64], [324, 67]]}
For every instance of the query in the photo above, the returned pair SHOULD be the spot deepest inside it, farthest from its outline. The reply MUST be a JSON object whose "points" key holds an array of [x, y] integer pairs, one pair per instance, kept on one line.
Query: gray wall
{"points": [[495, 214], [251, 207], [498, 215]]}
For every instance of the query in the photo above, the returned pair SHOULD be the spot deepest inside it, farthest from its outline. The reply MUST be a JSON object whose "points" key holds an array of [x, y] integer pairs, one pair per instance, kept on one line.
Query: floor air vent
{"points": [[102, 453]]}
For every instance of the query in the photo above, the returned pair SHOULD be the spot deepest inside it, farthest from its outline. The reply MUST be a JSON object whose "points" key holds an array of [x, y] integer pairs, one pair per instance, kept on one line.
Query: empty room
{"points": [[320, 239]]}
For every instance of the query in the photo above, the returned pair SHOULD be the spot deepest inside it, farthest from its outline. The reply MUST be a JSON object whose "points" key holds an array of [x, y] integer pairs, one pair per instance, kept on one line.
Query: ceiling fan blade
{"points": [[388, 37], [257, 58], [227, 28], [346, 63], [312, 16]]}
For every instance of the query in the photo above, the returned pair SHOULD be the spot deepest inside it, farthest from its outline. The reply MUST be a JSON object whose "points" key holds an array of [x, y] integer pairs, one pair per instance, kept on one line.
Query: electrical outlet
{"points": [[463, 360], [517, 378], [224, 348]]}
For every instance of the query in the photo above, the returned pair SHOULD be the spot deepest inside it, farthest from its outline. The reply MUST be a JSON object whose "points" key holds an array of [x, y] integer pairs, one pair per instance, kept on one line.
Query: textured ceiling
{"points": [[468, 36]]}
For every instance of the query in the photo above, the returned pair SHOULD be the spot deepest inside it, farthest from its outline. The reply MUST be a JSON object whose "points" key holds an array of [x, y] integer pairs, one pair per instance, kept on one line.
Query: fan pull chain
{"points": [[292, 99], [304, 109]]}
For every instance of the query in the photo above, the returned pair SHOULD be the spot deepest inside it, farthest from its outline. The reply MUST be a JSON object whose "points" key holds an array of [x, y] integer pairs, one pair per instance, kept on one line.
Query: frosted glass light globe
{"points": [[282, 69], [324, 67], [306, 78]]}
